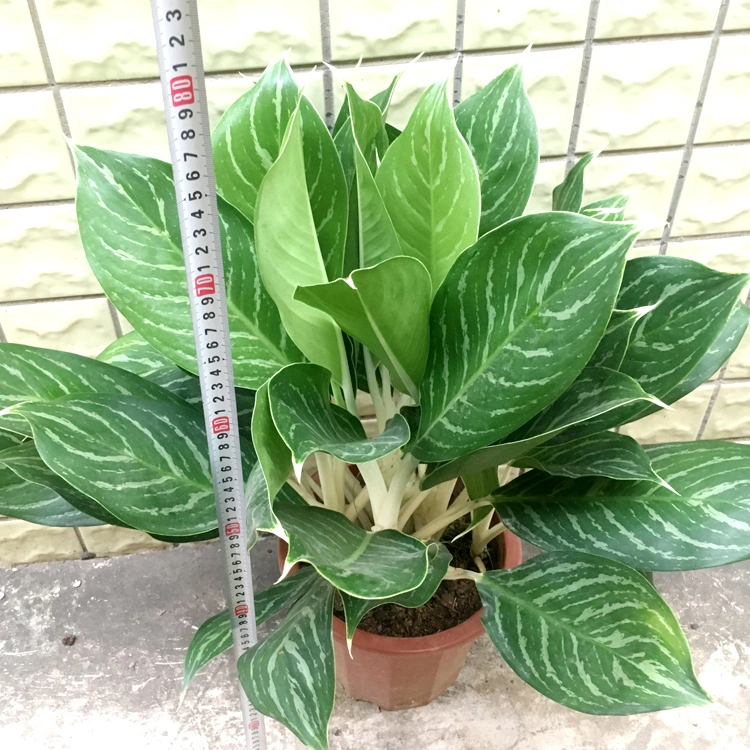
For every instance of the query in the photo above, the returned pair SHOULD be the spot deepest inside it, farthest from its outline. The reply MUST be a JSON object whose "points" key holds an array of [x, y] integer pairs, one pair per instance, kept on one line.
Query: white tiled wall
{"points": [[624, 77]]}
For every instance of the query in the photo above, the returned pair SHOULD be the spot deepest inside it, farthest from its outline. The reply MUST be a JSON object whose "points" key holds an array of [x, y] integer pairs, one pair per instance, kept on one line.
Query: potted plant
{"points": [[397, 267]]}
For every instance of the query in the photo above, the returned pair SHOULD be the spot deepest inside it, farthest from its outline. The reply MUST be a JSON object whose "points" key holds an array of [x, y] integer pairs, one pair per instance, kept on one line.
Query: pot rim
{"points": [[465, 632]]}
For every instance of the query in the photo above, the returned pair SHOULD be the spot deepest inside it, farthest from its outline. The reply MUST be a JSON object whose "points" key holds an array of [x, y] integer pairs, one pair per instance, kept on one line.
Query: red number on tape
{"points": [[232, 528], [181, 89], [241, 609], [220, 424], [205, 284]]}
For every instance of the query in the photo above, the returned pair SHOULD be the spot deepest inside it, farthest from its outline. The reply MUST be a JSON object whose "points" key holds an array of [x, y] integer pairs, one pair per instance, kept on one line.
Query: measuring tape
{"points": [[181, 66]]}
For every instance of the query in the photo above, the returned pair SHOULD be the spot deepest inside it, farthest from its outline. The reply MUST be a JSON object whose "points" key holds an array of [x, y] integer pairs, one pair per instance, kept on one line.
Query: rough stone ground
{"points": [[117, 686]]}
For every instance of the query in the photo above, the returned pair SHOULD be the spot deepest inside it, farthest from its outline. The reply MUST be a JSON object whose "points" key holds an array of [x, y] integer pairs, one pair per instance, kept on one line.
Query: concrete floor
{"points": [[117, 686]]}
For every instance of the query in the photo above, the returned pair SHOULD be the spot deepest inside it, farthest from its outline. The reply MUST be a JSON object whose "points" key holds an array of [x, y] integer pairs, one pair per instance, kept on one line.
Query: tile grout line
{"points": [[459, 51], [62, 115], [326, 50], [715, 393], [588, 48], [687, 152]]}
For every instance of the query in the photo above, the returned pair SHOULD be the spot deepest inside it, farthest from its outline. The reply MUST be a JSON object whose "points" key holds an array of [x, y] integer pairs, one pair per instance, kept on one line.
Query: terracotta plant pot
{"points": [[397, 673]]}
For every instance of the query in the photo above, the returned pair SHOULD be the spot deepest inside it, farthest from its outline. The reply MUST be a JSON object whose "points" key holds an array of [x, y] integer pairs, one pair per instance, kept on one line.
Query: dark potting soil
{"points": [[453, 602]]}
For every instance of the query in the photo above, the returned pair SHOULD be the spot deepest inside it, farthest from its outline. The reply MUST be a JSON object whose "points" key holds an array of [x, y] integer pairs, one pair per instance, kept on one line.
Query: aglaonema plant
{"points": [[396, 268]]}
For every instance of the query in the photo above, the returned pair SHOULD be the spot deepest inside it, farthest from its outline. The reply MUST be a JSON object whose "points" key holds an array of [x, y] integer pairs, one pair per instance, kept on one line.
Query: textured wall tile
{"points": [[105, 541], [241, 34], [641, 95], [369, 79], [730, 417], [81, 326], [726, 110], [34, 161], [493, 24], [361, 28], [648, 178], [666, 425], [90, 41], [42, 254], [730, 254], [22, 542], [127, 117], [738, 16], [20, 60], [551, 78], [716, 197], [95, 41], [645, 17], [548, 176], [125, 327]]}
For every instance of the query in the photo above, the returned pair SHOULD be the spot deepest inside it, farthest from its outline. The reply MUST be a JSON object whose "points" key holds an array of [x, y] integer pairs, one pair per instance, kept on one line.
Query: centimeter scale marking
{"points": [[183, 87]]}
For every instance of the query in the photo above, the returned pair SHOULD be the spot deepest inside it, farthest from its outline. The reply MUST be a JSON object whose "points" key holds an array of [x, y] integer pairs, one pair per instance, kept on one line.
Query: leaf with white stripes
{"points": [[596, 391], [591, 634], [36, 503], [308, 421], [568, 195], [365, 564], [692, 306], [289, 255], [133, 353], [24, 461], [130, 230], [611, 350], [290, 675], [499, 125], [430, 186], [718, 353], [515, 322], [364, 304], [355, 608], [214, 636], [606, 454], [607, 209], [640, 523], [144, 461], [32, 374]]}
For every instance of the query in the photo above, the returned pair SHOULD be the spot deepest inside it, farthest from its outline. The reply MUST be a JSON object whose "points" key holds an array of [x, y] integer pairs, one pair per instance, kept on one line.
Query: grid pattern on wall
{"points": [[660, 86]]}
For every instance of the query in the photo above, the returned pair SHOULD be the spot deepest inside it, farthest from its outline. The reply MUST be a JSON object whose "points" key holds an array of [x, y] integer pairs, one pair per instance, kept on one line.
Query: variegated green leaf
{"points": [[607, 209], [274, 457], [144, 461], [568, 195], [289, 255], [605, 454], [499, 125], [24, 461], [31, 374], [9, 439], [364, 304], [365, 564], [481, 484], [36, 503], [249, 138], [133, 353], [382, 99], [308, 421], [290, 675], [129, 225], [355, 609], [214, 636], [591, 634], [430, 186], [611, 350], [515, 322], [596, 391], [692, 306], [641, 523]]}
